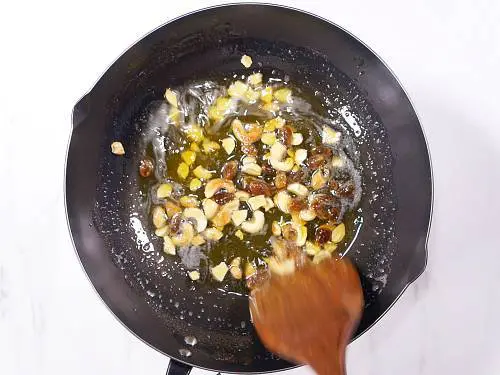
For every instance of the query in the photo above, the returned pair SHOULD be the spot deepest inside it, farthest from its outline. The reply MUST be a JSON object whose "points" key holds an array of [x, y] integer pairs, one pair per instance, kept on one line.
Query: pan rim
{"points": [[411, 279]]}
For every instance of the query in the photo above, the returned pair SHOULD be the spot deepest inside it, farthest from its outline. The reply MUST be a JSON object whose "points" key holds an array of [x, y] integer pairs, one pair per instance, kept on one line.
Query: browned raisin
{"points": [[299, 176], [284, 135], [342, 189], [146, 167], [297, 204], [326, 207], [222, 196], [280, 180], [229, 170], [175, 223], [323, 234], [316, 161], [322, 150], [268, 170], [256, 186], [249, 150]]}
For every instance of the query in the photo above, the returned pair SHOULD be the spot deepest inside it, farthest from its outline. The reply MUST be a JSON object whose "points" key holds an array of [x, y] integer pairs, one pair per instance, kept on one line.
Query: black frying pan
{"points": [[153, 298]]}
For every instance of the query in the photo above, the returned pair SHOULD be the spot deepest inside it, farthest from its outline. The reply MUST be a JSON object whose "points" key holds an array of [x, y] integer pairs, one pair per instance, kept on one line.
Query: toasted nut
{"points": [[222, 218], [239, 234], [307, 215], [268, 138], [223, 105], [266, 94], [210, 208], [284, 95], [194, 147], [281, 267], [194, 133], [198, 240], [212, 234], [300, 156], [276, 228], [249, 160], [273, 124], [330, 136], [284, 166], [291, 153], [257, 202], [189, 201], [236, 263], [117, 148], [159, 217], [301, 234], [164, 191], [298, 189], [189, 157], [199, 216], [255, 224], [195, 184], [210, 146], [171, 209], [249, 270], [228, 144], [239, 217], [183, 170], [248, 134], [278, 151], [318, 180], [297, 139], [311, 248], [280, 180], [255, 79], [337, 162], [216, 184], [251, 169], [289, 232], [296, 218], [330, 247], [282, 201], [202, 173], [269, 204], [168, 246], [171, 97], [194, 275], [237, 89], [338, 233], [242, 195], [236, 272], [219, 271], [162, 232], [321, 256], [246, 61], [185, 235]]}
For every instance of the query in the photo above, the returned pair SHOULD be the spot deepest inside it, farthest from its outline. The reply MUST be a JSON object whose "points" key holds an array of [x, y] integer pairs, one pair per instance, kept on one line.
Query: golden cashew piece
{"points": [[199, 216], [246, 134], [255, 224], [210, 207], [213, 186], [185, 235]]}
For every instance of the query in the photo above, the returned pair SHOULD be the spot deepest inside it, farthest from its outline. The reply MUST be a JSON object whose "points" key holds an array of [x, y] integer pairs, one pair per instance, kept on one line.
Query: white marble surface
{"points": [[447, 55]]}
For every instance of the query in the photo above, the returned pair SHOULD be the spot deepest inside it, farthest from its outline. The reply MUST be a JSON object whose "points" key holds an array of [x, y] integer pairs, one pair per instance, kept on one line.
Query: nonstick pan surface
{"points": [[151, 295]]}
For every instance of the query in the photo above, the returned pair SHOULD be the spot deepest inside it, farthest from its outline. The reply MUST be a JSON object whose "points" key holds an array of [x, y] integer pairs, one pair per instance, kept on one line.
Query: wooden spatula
{"points": [[309, 316]]}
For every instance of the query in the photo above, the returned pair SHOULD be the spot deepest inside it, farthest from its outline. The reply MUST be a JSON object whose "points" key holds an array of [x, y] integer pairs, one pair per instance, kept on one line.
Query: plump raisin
{"points": [[249, 150], [268, 170], [146, 167], [222, 196], [316, 161], [342, 189], [284, 135], [326, 207], [229, 170], [323, 234], [256, 186], [297, 204], [322, 150], [175, 223], [280, 181], [300, 176]]}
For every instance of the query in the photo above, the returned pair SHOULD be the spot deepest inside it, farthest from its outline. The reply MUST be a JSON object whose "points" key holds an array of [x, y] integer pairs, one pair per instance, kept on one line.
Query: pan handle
{"points": [[178, 368]]}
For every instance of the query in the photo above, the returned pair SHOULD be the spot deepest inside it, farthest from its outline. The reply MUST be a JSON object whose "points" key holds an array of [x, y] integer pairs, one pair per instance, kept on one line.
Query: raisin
{"points": [[284, 135], [222, 196], [229, 170], [256, 186], [280, 180], [323, 234], [300, 176], [297, 204], [322, 150], [316, 161], [326, 207], [342, 189], [249, 150], [268, 170], [175, 223], [146, 167]]}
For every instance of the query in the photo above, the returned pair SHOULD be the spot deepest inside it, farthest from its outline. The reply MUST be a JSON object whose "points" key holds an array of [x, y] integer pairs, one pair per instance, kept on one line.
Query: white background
{"points": [[446, 54]]}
